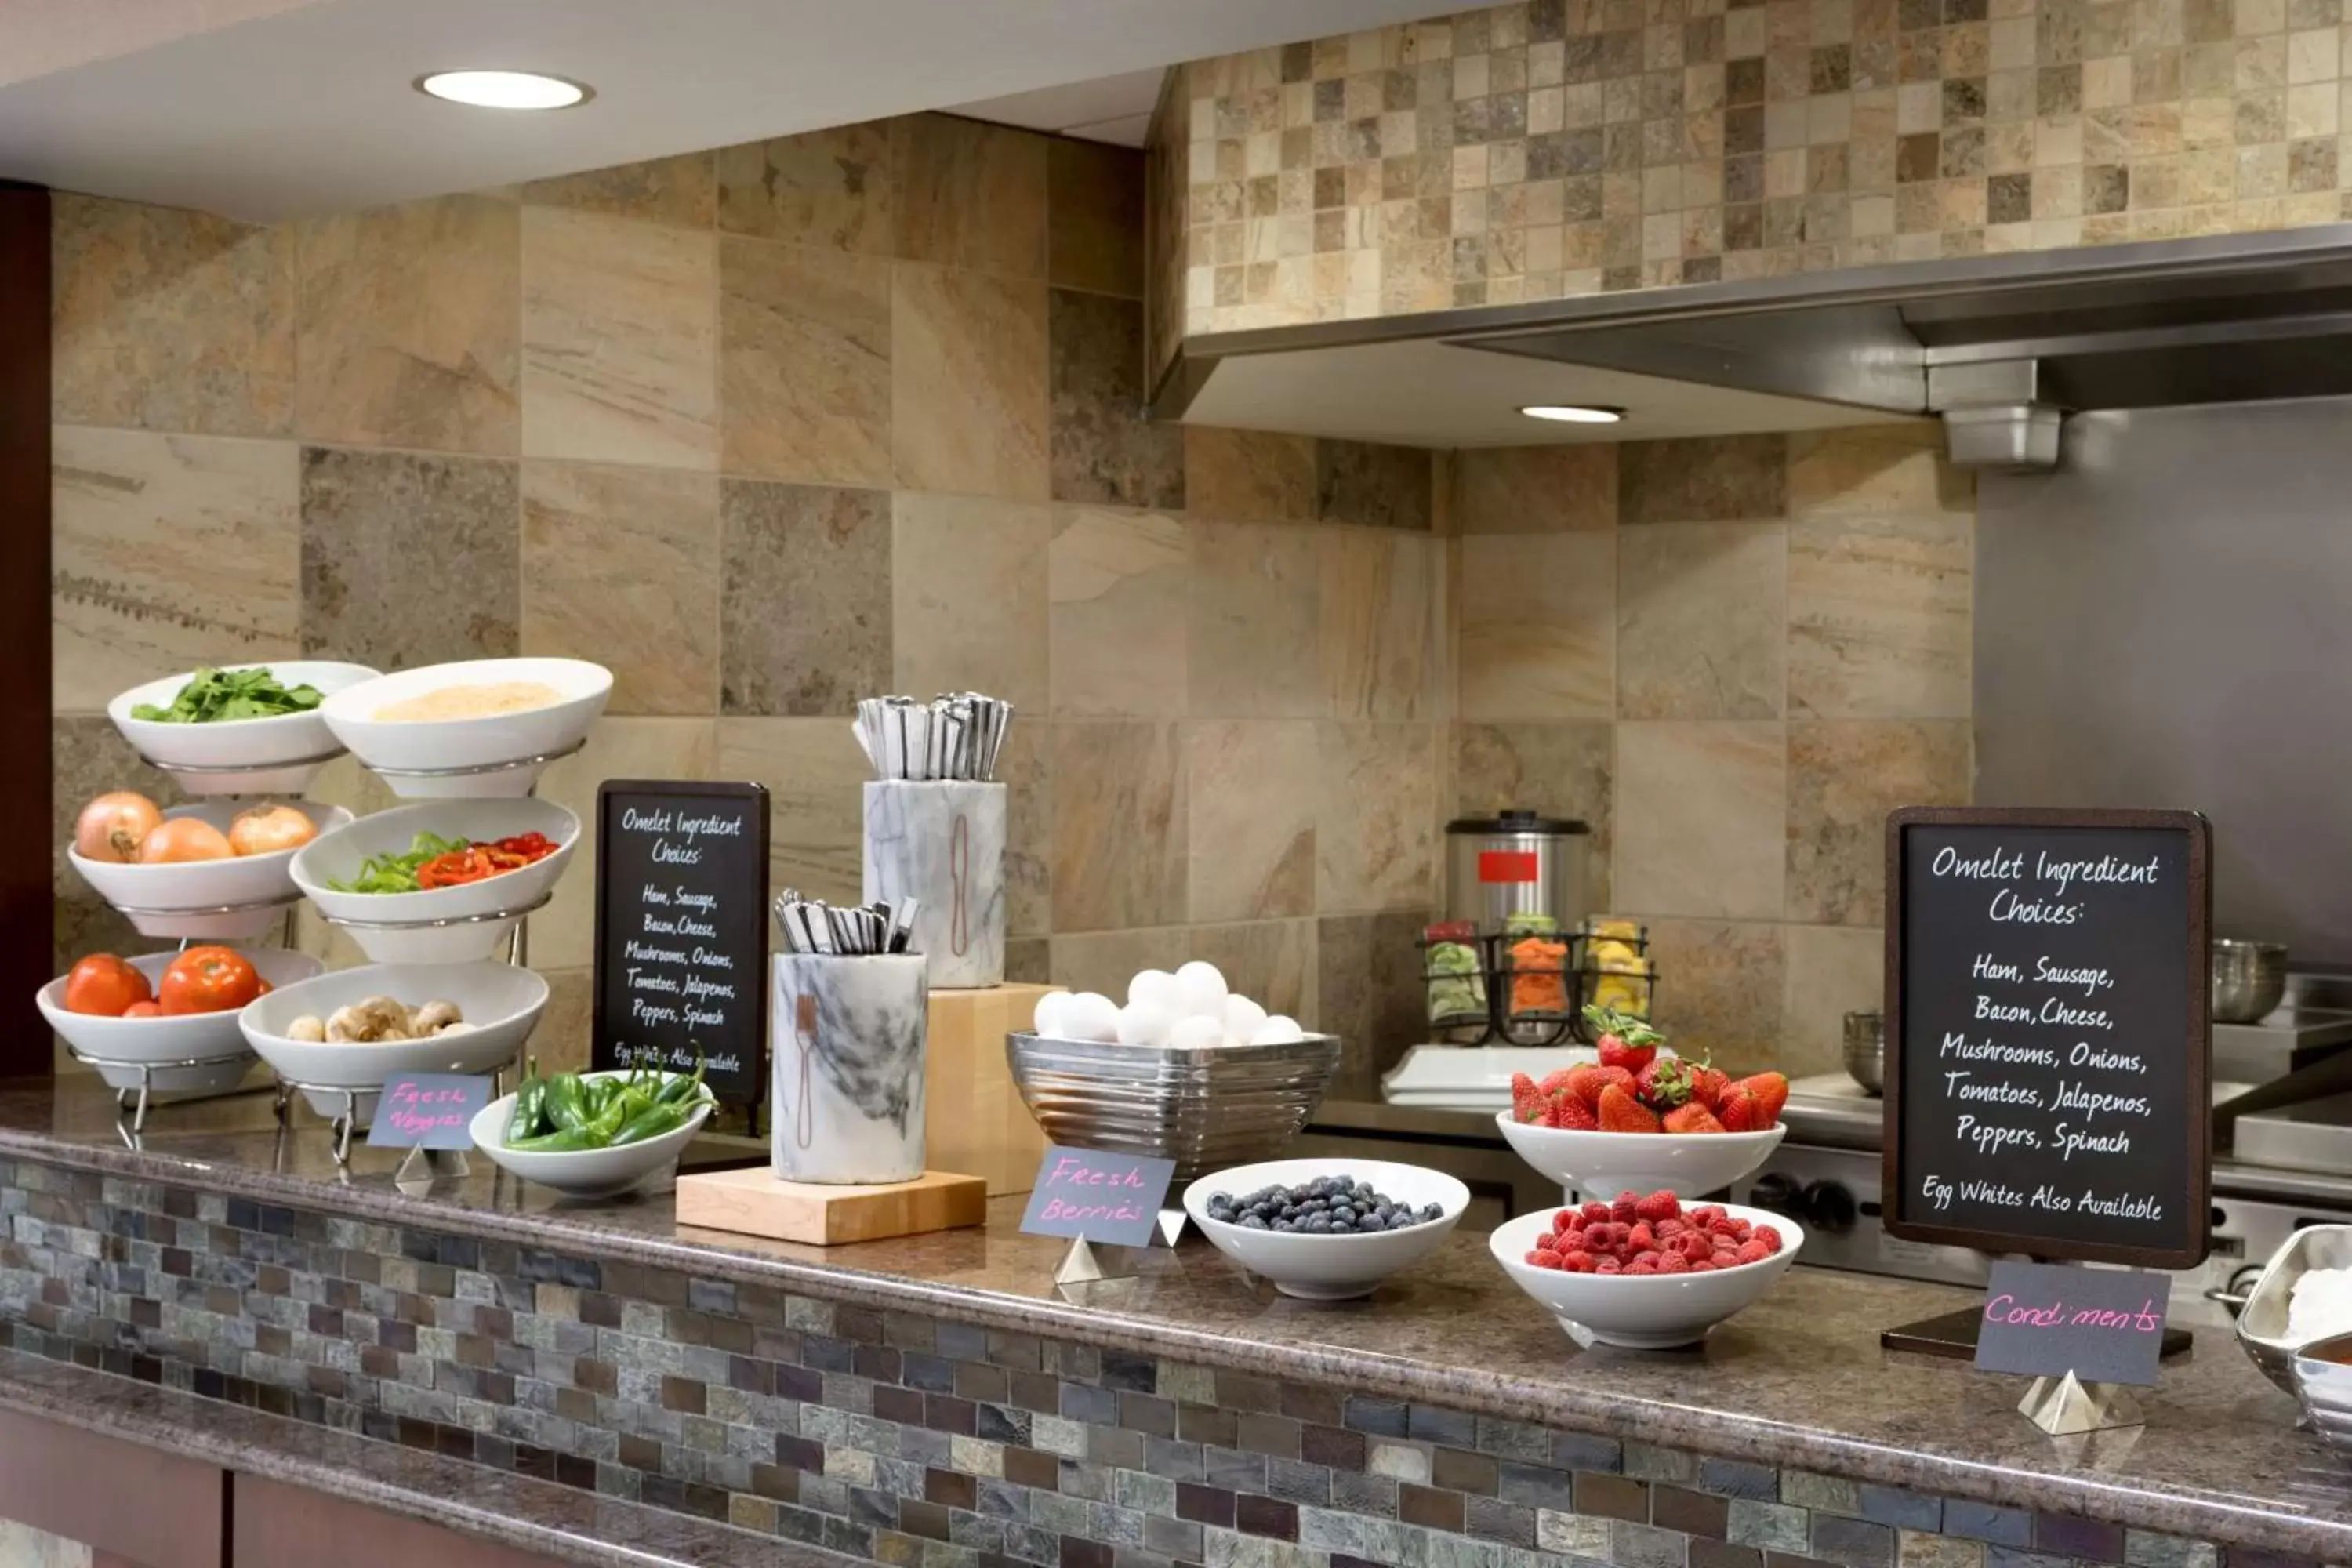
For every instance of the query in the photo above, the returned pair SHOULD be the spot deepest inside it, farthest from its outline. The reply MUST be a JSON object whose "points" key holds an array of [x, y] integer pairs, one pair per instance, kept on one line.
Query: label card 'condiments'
{"points": [[2103, 1325], [682, 931], [1101, 1197], [428, 1110], [2047, 1043]]}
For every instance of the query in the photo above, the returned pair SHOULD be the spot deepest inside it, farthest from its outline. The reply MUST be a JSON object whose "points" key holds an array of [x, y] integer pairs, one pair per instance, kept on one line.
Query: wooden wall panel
{"points": [[26, 892], [277, 1524], [126, 1501]]}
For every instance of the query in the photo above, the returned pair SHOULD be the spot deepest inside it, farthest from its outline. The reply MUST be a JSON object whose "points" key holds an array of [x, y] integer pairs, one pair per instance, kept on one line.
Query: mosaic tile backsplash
{"points": [[906, 1438], [1558, 147]]}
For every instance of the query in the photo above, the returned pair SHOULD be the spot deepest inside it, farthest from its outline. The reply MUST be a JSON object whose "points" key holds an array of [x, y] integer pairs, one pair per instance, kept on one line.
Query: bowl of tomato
{"points": [[165, 1010], [438, 883]]}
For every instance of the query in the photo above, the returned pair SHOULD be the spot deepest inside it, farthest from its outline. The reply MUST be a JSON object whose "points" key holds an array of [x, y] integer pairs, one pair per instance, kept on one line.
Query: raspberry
{"points": [[1667, 1229], [1607, 1266], [1565, 1221], [1674, 1263], [1658, 1205], [1705, 1215], [1577, 1263], [1694, 1246], [1719, 1225], [1753, 1252], [1642, 1241], [1768, 1235], [1643, 1266], [1703, 1265], [1622, 1209], [1595, 1211], [1601, 1234], [1543, 1257]]}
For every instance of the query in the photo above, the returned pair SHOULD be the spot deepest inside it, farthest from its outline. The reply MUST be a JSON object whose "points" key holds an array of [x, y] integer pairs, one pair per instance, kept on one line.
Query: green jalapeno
{"points": [[566, 1105]]}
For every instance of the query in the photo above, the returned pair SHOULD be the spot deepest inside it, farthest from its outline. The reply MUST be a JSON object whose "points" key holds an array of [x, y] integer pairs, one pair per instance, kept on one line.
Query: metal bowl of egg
{"points": [[2322, 1386], [1173, 1093], [2302, 1296]]}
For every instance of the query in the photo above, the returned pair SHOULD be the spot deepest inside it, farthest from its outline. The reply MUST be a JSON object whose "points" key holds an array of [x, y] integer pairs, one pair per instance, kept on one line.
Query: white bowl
{"points": [[189, 1036], [241, 757], [503, 1003], [401, 928], [1328, 1268], [214, 900], [410, 755], [583, 1172], [1603, 1164], [1645, 1311]]}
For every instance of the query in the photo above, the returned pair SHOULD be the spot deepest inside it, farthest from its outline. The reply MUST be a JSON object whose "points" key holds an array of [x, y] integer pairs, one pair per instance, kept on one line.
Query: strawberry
{"points": [[1527, 1100], [1586, 1082], [1620, 1112], [1555, 1083], [1617, 1052], [1739, 1113], [1692, 1119], [1663, 1084], [1772, 1092], [1571, 1113], [1659, 1205], [1708, 1085]]}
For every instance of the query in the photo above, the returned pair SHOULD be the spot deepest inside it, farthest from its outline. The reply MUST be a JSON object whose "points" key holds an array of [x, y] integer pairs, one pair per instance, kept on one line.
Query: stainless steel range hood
{"points": [[2001, 346]]}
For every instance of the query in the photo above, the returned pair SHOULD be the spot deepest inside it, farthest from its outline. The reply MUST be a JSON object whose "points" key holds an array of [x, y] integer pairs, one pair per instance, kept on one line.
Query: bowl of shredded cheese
{"points": [[478, 727]]}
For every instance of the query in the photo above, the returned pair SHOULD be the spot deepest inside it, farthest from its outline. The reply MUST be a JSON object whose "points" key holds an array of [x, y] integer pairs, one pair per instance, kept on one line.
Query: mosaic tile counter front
{"points": [[1559, 147], [914, 1437]]}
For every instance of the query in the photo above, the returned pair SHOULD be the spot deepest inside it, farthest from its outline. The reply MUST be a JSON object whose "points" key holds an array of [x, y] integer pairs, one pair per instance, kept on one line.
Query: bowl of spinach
{"points": [[251, 729]]}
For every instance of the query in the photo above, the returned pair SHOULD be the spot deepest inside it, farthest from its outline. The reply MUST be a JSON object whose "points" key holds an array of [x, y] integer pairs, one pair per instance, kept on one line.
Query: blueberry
{"points": [[1373, 1221], [1253, 1222]]}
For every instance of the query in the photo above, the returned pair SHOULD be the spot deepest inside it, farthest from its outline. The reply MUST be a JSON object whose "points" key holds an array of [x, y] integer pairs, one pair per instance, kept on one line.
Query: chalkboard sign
{"points": [[2047, 1042], [682, 931]]}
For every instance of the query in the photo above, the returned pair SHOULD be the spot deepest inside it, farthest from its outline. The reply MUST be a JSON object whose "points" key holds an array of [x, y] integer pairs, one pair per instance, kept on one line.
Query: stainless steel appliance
{"points": [[1517, 863]]}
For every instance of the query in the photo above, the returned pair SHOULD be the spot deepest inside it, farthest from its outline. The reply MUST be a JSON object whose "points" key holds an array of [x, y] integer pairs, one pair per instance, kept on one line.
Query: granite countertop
{"points": [[1798, 1380], [545, 1517]]}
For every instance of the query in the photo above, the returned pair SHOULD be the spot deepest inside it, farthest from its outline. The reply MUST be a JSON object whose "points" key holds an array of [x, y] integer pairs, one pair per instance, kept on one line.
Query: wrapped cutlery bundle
{"points": [[850, 1025], [935, 827]]}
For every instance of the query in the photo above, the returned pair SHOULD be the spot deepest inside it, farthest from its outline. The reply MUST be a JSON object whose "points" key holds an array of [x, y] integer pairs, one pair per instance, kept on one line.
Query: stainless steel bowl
{"points": [[1865, 1049], [2249, 979], [2262, 1321], [2322, 1386], [1205, 1107]]}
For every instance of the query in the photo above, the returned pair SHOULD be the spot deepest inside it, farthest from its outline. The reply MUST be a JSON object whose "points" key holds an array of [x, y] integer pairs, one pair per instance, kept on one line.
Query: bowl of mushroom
{"points": [[352, 1031]]}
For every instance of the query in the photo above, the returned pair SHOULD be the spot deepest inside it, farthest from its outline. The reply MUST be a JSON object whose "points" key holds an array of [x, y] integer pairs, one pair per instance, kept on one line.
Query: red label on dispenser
{"points": [[1506, 866]]}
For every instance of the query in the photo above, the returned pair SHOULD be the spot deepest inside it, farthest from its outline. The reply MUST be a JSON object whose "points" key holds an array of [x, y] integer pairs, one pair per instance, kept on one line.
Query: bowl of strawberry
{"points": [[1641, 1118], [1645, 1272]]}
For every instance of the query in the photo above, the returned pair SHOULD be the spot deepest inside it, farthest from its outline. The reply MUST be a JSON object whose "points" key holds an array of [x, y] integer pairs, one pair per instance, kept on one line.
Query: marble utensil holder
{"points": [[850, 1035], [941, 842]]}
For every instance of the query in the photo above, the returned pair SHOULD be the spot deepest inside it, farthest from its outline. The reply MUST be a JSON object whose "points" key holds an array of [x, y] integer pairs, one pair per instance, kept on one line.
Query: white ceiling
{"points": [[267, 109], [1111, 108], [1426, 393]]}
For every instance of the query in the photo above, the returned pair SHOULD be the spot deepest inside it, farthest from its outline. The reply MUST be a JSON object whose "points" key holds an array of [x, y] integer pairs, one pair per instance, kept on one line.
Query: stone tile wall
{"points": [[1732, 656], [908, 1439], [763, 429], [1558, 147]]}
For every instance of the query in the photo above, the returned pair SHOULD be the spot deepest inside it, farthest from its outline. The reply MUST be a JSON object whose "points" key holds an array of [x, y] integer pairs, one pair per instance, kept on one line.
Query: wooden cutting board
{"points": [[752, 1202], [974, 1119]]}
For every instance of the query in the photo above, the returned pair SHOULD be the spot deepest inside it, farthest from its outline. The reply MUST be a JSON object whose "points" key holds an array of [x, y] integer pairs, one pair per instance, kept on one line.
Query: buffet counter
{"points": [[938, 1400]]}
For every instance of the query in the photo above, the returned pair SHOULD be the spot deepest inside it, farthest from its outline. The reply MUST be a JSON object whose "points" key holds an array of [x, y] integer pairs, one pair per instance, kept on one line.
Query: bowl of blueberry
{"points": [[1325, 1230]]}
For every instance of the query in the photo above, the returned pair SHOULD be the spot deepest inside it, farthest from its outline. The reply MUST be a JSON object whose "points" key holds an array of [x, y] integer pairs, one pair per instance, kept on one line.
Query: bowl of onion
{"points": [[209, 753], [485, 727], [442, 882], [216, 870]]}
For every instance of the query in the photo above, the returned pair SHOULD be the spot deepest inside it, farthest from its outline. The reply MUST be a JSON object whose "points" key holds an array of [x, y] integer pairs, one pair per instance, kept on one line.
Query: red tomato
{"points": [[104, 985], [209, 980], [142, 1010]]}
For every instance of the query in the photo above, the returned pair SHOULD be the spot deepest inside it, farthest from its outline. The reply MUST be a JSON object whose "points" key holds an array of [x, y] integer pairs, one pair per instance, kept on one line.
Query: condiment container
{"points": [[849, 1035], [941, 842]]}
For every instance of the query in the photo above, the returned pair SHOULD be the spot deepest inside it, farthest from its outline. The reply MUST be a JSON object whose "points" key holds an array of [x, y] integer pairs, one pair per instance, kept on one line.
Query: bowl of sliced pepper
{"points": [[439, 883], [594, 1134]]}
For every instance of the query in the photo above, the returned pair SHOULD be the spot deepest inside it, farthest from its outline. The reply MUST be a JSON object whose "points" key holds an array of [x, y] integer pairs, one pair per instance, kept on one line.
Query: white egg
{"points": [[1199, 1031], [1153, 987], [1244, 1018], [1050, 1008], [1090, 1015], [1201, 991], [1142, 1023], [1277, 1030]]}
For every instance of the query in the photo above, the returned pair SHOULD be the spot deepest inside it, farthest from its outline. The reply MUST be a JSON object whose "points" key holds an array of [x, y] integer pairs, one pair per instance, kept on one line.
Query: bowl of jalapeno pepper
{"points": [[593, 1134], [439, 883]]}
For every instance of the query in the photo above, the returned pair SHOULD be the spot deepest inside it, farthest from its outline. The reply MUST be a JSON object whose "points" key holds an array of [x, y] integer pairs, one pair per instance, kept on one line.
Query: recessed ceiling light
{"points": [[1574, 414], [505, 90]]}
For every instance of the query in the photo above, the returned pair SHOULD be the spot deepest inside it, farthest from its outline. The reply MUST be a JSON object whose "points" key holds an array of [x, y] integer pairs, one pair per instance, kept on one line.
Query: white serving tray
{"points": [[1472, 1077]]}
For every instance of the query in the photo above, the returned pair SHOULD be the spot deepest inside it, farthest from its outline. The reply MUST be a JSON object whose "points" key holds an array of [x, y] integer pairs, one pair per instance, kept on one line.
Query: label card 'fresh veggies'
{"points": [[682, 931], [2047, 1048], [428, 1110]]}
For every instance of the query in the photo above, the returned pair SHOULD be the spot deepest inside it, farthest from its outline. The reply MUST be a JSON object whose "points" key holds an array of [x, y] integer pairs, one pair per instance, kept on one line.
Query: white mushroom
{"points": [[308, 1028], [374, 1019], [433, 1017]]}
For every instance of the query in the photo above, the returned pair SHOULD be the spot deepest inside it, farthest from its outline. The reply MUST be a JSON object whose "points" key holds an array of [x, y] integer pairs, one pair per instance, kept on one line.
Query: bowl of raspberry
{"points": [[1641, 1118], [1645, 1272]]}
